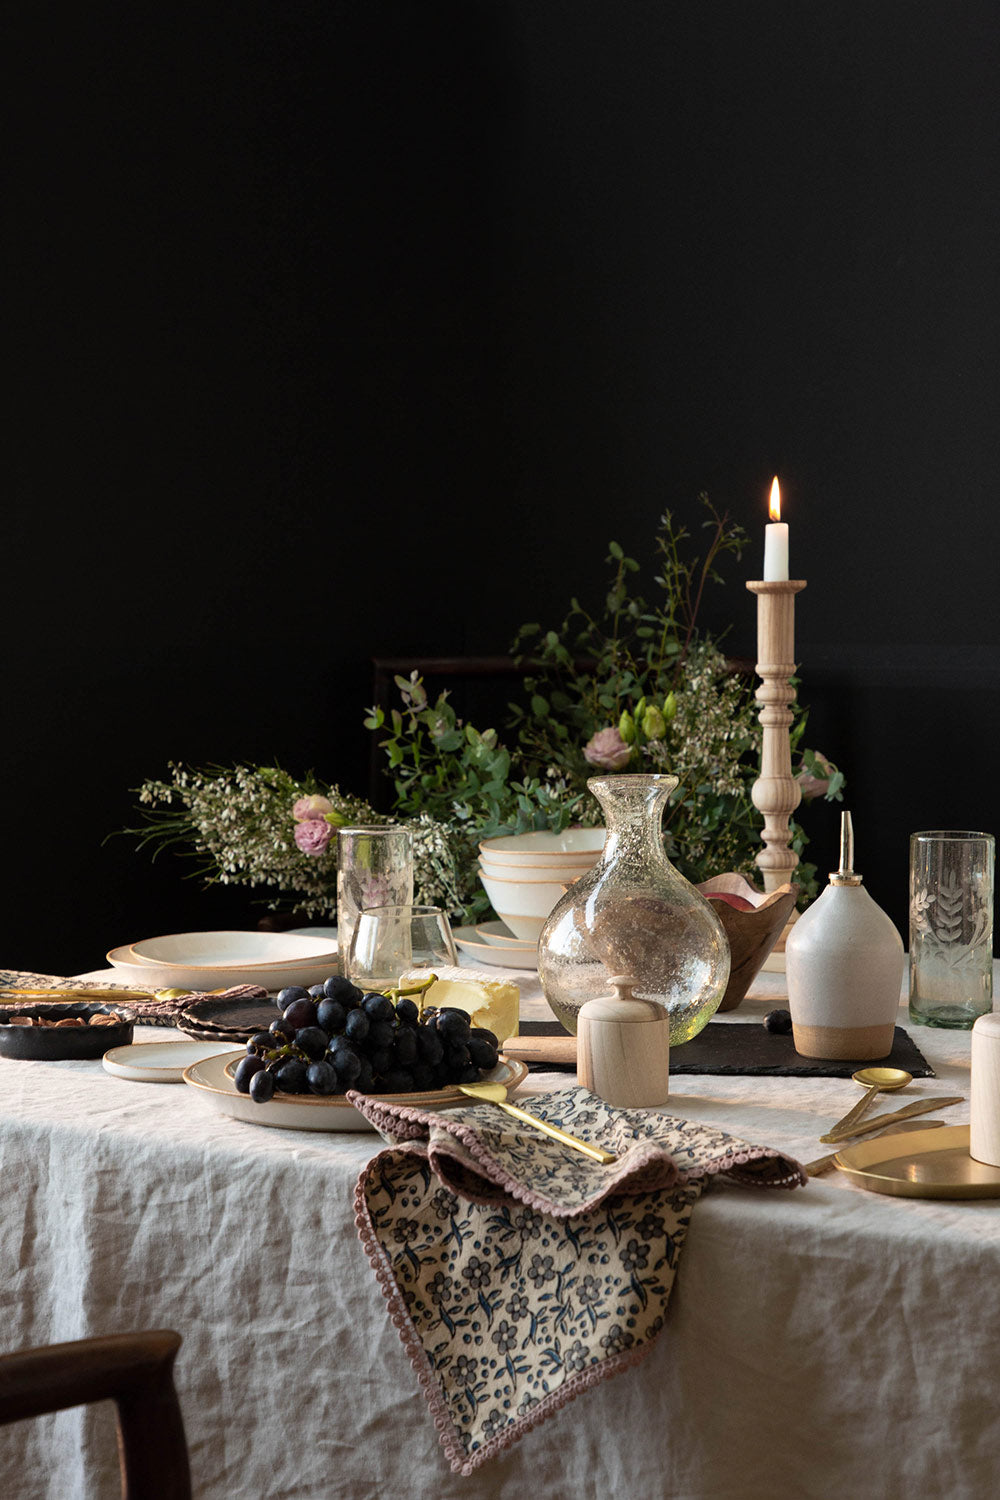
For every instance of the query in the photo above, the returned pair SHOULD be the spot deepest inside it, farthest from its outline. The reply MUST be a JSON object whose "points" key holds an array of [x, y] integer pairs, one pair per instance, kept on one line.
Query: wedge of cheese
{"points": [[490, 1003]]}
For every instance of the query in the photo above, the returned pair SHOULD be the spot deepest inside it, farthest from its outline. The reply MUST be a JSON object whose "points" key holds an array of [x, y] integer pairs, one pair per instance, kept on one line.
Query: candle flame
{"points": [[774, 506]]}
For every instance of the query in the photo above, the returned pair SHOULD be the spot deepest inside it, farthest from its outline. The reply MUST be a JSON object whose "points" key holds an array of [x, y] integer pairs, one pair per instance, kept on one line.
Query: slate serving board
{"points": [[745, 1048]]}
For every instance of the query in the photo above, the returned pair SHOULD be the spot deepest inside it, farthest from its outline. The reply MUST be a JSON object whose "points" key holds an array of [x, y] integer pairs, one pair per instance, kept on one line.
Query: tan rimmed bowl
{"points": [[551, 851], [522, 904]]}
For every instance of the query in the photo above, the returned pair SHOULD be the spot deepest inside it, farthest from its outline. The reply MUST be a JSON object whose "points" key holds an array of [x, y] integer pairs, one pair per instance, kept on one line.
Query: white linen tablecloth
{"points": [[827, 1342]]}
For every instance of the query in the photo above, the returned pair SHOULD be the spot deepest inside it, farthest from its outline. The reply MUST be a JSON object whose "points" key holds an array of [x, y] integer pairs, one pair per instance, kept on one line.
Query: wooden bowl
{"points": [[752, 927]]}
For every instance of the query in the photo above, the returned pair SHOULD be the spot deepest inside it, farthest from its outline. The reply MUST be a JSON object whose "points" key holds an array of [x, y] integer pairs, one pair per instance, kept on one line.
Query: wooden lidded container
{"points": [[844, 967], [623, 1048]]}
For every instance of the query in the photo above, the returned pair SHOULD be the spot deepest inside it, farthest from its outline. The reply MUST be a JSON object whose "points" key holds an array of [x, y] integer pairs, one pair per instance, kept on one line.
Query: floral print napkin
{"points": [[520, 1272]]}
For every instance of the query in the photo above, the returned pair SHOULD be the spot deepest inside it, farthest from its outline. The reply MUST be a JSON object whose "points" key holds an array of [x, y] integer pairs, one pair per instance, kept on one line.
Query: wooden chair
{"points": [[135, 1371]]}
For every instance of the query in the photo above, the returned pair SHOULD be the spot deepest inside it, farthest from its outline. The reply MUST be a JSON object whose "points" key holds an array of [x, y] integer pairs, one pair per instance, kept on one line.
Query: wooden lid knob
{"points": [[621, 1006]]}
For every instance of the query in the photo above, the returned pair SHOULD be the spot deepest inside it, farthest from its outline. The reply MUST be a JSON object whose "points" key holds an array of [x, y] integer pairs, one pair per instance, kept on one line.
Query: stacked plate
{"points": [[218, 960], [525, 874], [226, 1018], [494, 944]]}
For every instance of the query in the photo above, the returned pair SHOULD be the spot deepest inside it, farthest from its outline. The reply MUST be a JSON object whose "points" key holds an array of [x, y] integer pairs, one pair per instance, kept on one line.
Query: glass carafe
{"points": [[634, 915]]}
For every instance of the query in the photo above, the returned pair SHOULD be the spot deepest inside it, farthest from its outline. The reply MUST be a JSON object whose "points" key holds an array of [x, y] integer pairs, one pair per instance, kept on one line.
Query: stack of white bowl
{"points": [[525, 874]]}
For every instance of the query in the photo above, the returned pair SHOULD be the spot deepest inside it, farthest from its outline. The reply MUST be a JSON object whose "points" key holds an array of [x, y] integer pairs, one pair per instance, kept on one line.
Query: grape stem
{"points": [[420, 989]]}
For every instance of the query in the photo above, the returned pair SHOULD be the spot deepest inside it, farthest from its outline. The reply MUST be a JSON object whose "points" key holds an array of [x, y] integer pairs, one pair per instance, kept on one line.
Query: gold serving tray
{"points": [[927, 1164]]}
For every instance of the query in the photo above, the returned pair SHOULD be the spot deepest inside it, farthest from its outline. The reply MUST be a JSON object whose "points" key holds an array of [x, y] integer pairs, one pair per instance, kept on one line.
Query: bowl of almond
{"points": [[54, 1031]]}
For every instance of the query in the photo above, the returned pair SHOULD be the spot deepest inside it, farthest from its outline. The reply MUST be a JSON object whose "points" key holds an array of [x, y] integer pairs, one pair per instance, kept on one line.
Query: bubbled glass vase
{"points": [[636, 916]]}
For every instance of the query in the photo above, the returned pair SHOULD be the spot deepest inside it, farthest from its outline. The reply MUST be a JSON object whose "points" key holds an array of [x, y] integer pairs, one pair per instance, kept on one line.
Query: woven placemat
{"points": [[744, 1048], [153, 1010]]}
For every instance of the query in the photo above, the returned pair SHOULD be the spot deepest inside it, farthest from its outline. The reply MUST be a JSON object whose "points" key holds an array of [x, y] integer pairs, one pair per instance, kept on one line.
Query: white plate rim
{"points": [[156, 1073], [310, 1111], [314, 949], [164, 1072], [502, 939], [161, 976], [493, 954]]}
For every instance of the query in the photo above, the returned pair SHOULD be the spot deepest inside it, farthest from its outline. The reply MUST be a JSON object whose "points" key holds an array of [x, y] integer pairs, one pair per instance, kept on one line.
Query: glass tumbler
{"points": [[374, 868], [393, 940], [951, 927]]}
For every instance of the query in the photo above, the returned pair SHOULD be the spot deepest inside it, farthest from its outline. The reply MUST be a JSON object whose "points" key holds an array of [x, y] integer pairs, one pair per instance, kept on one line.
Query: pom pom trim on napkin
{"points": [[519, 1274]]}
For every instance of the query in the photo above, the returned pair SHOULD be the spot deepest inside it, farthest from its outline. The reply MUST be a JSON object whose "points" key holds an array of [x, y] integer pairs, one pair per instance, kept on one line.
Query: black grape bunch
{"points": [[334, 1037]]}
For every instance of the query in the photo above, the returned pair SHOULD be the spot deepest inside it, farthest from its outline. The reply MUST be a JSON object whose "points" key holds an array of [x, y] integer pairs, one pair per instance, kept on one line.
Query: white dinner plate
{"points": [[160, 1062], [309, 1111], [150, 976], [231, 950], [469, 941], [500, 935]]}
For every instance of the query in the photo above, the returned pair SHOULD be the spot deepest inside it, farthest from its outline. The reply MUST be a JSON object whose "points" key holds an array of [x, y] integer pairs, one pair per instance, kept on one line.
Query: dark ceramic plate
{"points": [[216, 1017], [58, 1042]]}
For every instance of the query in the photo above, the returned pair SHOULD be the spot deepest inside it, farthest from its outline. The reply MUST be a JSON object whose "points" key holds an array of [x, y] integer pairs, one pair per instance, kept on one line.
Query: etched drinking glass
{"points": [[951, 927], [374, 868]]}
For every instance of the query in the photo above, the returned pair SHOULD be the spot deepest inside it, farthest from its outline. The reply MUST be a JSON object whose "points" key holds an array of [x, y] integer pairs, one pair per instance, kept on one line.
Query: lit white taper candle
{"points": [[775, 540]]}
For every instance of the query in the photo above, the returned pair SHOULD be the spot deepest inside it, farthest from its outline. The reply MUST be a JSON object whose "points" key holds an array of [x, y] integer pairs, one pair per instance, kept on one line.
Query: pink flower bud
{"points": [[607, 750], [311, 807], [313, 835]]}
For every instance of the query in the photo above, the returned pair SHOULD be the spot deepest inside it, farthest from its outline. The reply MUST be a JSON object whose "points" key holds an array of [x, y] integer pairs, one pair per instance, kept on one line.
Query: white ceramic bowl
{"points": [[562, 871], [573, 846], [522, 904]]}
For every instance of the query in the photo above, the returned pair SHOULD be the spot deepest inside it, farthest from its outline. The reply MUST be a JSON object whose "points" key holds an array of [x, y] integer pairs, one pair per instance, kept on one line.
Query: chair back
{"points": [[135, 1371]]}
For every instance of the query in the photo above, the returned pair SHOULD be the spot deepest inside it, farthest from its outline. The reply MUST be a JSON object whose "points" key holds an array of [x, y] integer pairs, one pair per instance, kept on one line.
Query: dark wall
{"points": [[350, 328]]}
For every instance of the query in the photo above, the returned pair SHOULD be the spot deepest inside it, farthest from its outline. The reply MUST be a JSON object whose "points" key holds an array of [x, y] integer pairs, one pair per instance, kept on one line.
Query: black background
{"points": [[343, 329]]}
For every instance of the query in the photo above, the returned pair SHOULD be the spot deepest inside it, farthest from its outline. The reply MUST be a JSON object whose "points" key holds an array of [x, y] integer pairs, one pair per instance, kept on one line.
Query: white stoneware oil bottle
{"points": [[844, 966]]}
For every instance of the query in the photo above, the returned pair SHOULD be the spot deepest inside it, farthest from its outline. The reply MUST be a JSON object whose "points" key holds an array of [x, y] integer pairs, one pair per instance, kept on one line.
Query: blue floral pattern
{"points": [[519, 1272]]}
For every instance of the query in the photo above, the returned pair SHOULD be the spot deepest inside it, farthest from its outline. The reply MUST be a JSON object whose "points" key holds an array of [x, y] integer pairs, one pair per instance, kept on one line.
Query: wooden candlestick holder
{"points": [[776, 793]]}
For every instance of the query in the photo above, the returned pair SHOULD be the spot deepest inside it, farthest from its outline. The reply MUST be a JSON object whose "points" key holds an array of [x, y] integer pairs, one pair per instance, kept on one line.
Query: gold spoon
{"points": [[876, 1081], [496, 1093]]}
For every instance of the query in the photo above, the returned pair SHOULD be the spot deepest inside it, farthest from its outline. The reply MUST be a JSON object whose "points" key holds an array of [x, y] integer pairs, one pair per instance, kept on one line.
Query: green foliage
{"points": [[637, 668]]}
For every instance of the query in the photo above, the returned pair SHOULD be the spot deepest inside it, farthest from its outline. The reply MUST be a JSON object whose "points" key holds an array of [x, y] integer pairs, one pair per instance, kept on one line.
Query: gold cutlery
{"points": [[60, 997], [824, 1163], [875, 1081], [919, 1107], [496, 1093]]}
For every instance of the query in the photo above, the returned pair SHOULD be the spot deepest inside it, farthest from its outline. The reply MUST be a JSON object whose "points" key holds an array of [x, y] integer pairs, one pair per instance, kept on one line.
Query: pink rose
{"points": [[313, 835], [311, 807], [607, 750]]}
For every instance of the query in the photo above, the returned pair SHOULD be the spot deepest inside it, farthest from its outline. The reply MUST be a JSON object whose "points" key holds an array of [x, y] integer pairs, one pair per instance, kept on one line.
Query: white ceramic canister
{"points": [[844, 967], [984, 1091]]}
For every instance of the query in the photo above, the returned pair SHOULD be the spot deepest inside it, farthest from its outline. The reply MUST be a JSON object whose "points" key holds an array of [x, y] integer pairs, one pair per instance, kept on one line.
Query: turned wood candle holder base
{"points": [[776, 792]]}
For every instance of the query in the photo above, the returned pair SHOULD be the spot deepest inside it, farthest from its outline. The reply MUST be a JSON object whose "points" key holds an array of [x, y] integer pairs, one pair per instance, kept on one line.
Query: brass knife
{"points": [[919, 1107]]}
